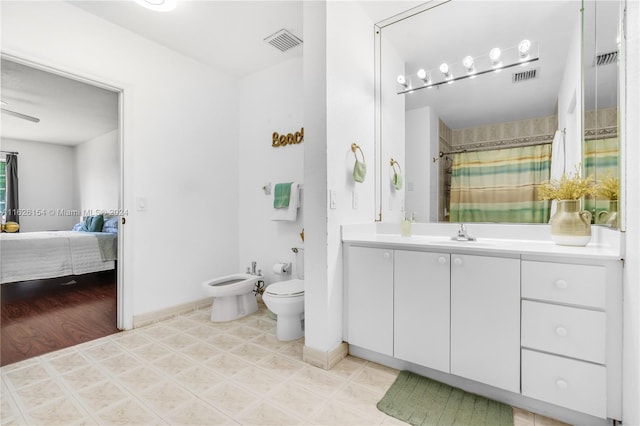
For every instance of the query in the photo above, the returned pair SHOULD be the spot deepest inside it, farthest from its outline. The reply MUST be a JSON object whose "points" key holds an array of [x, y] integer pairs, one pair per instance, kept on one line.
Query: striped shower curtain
{"points": [[500, 185], [600, 161]]}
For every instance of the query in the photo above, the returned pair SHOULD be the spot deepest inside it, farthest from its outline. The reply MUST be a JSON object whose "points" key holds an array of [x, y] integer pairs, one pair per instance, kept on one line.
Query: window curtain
{"points": [[500, 185], [12, 188]]}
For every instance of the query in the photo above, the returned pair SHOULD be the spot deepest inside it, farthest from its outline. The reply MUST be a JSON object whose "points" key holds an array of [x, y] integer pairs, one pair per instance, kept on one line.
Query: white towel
{"points": [[557, 156], [290, 213], [557, 162]]}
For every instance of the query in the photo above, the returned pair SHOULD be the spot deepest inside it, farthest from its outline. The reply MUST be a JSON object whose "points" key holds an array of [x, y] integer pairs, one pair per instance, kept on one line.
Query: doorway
{"points": [[70, 156]]}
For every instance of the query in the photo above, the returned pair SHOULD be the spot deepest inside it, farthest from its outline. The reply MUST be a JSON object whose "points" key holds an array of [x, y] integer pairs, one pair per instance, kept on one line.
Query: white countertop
{"points": [[505, 240]]}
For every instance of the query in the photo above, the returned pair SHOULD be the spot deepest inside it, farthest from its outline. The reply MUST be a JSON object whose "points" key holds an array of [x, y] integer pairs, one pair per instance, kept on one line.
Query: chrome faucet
{"points": [[253, 267], [462, 235]]}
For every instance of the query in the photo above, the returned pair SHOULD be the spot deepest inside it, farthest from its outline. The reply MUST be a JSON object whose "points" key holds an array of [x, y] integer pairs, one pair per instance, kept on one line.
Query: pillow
{"points": [[92, 223], [110, 223], [78, 226]]}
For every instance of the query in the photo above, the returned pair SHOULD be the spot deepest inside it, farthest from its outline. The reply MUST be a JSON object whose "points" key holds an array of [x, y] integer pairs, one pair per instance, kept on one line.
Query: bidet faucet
{"points": [[462, 235]]}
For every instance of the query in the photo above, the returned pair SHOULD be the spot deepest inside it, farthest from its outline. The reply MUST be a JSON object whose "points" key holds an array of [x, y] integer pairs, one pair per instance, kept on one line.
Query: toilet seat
{"points": [[283, 289]]}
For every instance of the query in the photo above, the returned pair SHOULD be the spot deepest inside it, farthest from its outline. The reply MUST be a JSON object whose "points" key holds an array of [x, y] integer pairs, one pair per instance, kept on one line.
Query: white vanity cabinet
{"points": [[571, 335], [370, 299], [485, 320], [422, 308]]}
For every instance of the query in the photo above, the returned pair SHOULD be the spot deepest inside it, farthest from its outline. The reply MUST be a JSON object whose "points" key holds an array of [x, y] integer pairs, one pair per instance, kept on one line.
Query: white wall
{"points": [[180, 121], [338, 84], [46, 185], [421, 176], [97, 165], [570, 99], [269, 101]]}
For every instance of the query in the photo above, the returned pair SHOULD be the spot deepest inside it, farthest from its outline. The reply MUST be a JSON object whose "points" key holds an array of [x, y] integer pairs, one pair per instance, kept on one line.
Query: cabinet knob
{"points": [[442, 260], [387, 255], [457, 261], [562, 384], [561, 284], [561, 331]]}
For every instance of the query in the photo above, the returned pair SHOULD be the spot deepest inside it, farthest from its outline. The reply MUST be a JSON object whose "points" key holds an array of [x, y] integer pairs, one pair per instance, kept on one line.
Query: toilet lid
{"points": [[286, 288]]}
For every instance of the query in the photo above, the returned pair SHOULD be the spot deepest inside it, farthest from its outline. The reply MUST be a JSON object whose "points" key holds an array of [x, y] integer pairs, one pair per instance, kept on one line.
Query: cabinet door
{"points": [[485, 320], [421, 308], [370, 299]]}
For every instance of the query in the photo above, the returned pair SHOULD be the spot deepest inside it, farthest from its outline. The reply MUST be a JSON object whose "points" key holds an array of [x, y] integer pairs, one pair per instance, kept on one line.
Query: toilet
{"points": [[286, 300], [233, 296]]}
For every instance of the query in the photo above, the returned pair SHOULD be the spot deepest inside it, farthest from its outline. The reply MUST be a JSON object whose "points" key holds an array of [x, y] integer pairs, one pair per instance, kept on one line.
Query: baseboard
{"points": [[325, 360], [163, 314]]}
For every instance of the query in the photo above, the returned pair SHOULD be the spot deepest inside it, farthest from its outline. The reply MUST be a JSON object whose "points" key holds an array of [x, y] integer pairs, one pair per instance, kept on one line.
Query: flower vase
{"points": [[570, 226], [610, 217]]}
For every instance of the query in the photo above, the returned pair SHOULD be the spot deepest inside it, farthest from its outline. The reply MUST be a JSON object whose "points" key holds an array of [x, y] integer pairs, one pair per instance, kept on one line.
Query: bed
{"points": [[50, 254]]}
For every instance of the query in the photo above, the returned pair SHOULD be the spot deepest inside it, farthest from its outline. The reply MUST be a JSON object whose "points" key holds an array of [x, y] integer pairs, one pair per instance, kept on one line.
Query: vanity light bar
{"points": [[496, 60]]}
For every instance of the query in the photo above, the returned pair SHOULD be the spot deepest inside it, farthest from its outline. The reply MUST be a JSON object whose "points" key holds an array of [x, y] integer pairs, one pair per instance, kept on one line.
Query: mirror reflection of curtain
{"points": [[500, 185], [12, 188], [600, 161]]}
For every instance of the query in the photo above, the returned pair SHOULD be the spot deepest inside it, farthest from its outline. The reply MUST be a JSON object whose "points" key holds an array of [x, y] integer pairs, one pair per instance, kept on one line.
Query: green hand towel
{"points": [[397, 181], [281, 195], [359, 171]]}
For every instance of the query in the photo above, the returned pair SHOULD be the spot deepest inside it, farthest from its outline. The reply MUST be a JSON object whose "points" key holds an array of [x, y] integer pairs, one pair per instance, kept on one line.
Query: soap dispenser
{"points": [[405, 227]]}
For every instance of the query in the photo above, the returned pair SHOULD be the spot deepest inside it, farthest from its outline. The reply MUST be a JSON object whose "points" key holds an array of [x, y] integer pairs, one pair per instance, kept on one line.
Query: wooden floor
{"points": [[42, 316]]}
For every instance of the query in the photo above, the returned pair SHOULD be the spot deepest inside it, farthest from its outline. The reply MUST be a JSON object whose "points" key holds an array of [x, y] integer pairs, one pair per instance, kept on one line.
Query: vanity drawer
{"points": [[578, 333], [583, 285], [577, 385]]}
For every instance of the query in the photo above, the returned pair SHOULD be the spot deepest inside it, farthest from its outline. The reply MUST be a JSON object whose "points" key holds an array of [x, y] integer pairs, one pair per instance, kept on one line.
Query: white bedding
{"points": [[39, 255]]}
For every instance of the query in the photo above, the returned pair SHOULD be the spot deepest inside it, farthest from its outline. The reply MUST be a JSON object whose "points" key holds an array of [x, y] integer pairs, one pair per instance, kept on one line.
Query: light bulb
{"points": [[402, 81], [444, 68], [494, 55], [523, 49], [422, 75], [468, 64]]}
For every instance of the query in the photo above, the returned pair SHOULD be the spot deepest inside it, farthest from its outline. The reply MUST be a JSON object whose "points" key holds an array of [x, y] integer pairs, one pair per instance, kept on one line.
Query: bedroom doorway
{"points": [[66, 132]]}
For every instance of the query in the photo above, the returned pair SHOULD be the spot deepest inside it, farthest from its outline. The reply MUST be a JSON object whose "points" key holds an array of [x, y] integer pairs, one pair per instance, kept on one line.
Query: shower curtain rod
{"points": [[489, 148], [9, 152]]}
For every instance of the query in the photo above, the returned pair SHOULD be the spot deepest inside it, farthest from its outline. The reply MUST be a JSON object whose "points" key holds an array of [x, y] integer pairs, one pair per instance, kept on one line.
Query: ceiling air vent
{"points": [[283, 40], [606, 58], [518, 77]]}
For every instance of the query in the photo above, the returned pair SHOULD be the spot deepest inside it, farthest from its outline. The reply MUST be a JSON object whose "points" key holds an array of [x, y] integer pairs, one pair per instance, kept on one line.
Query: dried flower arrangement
{"points": [[609, 188], [568, 187]]}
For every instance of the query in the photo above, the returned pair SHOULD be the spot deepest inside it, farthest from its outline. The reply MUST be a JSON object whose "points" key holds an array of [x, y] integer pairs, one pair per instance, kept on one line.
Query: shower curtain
{"points": [[500, 185], [600, 161]]}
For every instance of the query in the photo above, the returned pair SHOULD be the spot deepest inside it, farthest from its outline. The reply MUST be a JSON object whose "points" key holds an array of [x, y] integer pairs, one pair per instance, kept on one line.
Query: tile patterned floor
{"points": [[190, 371]]}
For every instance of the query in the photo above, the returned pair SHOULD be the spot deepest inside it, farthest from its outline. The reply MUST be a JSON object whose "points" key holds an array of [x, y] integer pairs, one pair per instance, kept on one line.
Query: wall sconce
{"points": [[497, 59]]}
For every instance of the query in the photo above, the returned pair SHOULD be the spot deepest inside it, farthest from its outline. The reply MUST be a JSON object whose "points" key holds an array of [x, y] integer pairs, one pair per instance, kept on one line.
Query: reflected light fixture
{"points": [[444, 69], [422, 75], [494, 55], [469, 65], [523, 50], [402, 81], [158, 5]]}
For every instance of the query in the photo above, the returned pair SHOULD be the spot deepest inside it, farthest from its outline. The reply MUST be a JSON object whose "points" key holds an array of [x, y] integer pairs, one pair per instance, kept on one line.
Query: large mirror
{"points": [[602, 51], [475, 137]]}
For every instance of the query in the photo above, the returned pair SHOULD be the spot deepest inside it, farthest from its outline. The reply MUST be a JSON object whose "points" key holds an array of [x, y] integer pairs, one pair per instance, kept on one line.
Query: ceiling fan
{"points": [[17, 114]]}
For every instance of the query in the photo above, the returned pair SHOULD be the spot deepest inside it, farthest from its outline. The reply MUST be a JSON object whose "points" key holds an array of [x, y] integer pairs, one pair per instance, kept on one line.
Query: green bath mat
{"points": [[420, 401]]}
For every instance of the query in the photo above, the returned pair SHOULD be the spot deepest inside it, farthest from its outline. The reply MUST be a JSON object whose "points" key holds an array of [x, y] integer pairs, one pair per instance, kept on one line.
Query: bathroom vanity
{"points": [[520, 320]]}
